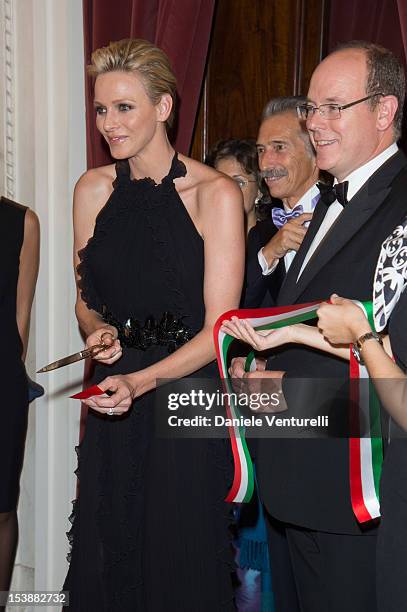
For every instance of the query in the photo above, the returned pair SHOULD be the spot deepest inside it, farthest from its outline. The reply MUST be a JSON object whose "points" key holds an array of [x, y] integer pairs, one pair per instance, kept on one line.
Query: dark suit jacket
{"points": [[261, 291], [306, 482]]}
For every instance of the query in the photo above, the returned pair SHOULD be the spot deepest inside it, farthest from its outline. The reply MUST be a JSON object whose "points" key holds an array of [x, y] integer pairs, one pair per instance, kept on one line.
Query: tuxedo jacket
{"points": [[261, 291], [306, 481]]}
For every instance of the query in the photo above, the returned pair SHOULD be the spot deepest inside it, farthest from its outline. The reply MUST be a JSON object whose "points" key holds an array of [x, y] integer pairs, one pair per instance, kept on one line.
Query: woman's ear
{"points": [[164, 107]]}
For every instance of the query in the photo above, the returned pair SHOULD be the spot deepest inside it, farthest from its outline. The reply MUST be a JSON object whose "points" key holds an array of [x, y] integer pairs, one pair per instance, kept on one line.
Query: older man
{"points": [[353, 114], [287, 162]]}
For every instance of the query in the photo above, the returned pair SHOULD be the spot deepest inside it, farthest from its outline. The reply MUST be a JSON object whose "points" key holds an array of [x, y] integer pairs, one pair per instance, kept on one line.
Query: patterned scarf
{"points": [[391, 275]]}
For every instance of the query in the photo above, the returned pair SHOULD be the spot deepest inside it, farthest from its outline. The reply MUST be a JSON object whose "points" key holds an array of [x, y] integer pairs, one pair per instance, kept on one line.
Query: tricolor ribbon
{"points": [[366, 453], [262, 318]]}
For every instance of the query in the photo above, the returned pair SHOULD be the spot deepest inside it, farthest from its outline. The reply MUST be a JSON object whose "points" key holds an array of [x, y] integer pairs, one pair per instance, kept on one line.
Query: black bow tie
{"points": [[337, 192]]}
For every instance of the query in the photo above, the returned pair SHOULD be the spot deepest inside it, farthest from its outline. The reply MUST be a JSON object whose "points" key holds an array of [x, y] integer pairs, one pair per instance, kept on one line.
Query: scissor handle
{"points": [[94, 350]]}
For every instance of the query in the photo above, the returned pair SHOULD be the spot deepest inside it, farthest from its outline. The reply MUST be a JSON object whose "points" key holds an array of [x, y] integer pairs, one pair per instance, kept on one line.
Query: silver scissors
{"points": [[92, 351]]}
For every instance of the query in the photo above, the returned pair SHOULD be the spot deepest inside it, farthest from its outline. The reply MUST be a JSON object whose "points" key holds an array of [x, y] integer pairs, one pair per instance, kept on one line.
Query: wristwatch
{"points": [[358, 345]]}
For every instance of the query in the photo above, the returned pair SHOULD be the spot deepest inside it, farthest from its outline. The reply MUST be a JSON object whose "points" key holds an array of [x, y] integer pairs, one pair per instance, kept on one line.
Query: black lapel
{"points": [[368, 199]]}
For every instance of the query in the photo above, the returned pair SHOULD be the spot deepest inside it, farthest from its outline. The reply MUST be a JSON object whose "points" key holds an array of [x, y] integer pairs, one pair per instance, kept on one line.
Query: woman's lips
{"points": [[117, 140]]}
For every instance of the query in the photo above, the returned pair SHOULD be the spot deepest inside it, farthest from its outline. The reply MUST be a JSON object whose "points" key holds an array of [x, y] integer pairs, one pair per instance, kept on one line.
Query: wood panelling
{"points": [[259, 49]]}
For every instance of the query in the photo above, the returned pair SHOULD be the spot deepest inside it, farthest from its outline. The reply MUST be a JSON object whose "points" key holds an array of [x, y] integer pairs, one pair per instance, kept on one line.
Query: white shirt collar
{"points": [[358, 177], [306, 200]]}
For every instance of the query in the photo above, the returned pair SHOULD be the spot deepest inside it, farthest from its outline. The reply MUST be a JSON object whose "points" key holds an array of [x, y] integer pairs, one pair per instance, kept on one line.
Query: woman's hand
{"points": [[259, 340], [108, 336], [342, 321], [122, 391]]}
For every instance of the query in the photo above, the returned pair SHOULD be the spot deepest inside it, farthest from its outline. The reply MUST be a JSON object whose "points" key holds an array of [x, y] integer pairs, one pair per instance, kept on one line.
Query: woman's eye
{"points": [[279, 147], [100, 110], [125, 107]]}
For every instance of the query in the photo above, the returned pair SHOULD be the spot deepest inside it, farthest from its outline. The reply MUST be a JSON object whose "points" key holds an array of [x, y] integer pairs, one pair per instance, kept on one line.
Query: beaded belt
{"points": [[169, 331]]}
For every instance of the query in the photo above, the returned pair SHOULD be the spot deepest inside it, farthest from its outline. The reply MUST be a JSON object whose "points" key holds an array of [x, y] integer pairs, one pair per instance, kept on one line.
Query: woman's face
{"points": [[247, 182], [125, 115]]}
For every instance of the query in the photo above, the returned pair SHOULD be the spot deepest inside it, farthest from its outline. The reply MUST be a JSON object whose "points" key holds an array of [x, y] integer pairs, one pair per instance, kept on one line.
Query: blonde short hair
{"points": [[142, 57]]}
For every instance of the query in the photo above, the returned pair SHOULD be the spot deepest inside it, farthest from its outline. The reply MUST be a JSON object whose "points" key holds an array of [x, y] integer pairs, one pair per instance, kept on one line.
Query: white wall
{"points": [[43, 77]]}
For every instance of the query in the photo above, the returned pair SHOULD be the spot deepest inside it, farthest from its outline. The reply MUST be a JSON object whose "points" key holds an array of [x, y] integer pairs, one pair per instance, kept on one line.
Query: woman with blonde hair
{"points": [[159, 255]]}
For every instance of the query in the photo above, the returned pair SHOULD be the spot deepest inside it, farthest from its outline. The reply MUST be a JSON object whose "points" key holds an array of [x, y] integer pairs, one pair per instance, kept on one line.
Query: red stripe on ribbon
{"points": [[355, 467]]}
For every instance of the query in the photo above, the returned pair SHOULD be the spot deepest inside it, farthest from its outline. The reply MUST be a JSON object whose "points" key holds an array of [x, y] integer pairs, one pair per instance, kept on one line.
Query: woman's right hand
{"points": [[105, 335], [259, 340]]}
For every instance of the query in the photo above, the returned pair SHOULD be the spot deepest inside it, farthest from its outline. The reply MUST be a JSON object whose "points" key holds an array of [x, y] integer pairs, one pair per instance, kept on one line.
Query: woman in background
{"points": [[19, 256], [238, 159]]}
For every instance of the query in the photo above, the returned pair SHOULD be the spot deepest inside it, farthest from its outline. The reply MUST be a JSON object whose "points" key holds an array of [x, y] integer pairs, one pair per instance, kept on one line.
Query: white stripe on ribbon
{"points": [[260, 321], [366, 459]]}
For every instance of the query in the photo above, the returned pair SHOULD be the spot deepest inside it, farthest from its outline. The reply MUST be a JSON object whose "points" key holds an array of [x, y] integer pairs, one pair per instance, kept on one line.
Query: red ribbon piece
{"points": [[86, 393]]}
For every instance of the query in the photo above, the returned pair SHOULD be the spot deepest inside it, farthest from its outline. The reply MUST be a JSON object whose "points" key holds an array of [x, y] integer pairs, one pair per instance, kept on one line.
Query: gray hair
{"points": [[284, 104], [288, 104]]}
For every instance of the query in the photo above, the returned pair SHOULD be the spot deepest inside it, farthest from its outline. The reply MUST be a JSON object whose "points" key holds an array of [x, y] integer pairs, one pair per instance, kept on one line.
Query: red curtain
{"points": [[180, 27], [379, 21], [402, 7], [376, 21]]}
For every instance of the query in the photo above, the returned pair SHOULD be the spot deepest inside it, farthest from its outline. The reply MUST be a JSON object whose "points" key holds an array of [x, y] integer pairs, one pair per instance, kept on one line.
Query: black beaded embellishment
{"points": [[169, 331]]}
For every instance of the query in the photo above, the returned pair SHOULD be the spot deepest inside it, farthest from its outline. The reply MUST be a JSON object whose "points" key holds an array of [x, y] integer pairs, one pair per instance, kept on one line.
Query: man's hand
{"points": [[238, 374], [268, 383], [288, 238], [236, 369]]}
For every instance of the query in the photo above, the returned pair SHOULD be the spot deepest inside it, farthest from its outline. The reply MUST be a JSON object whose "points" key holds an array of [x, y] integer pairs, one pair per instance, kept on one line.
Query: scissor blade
{"points": [[64, 361]]}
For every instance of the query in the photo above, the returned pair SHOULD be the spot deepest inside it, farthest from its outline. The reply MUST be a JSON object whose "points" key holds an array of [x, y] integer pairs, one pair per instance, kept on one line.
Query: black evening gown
{"points": [[150, 528], [392, 536], [14, 403]]}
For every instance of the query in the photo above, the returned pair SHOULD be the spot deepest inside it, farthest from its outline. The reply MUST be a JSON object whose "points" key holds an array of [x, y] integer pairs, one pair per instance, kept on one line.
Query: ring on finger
{"points": [[110, 412]]}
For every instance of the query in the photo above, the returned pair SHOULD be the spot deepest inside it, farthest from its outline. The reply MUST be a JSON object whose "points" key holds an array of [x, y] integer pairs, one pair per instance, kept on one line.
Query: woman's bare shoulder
{"points": [[93, 189], [97, 181], [31, 222], [210, 184]]}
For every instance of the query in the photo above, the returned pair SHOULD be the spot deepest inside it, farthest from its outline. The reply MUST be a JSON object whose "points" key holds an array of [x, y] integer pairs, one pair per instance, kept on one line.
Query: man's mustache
{"points": [[273, 173]]}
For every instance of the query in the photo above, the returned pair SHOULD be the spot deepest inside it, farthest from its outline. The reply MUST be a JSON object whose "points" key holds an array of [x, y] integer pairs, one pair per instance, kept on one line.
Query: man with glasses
{"points": [[287, 164], [353, 114]]}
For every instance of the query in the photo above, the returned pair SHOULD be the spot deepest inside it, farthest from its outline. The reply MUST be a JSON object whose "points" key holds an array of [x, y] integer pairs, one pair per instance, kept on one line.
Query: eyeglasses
{"points": [[329, 111], [243, 182]]}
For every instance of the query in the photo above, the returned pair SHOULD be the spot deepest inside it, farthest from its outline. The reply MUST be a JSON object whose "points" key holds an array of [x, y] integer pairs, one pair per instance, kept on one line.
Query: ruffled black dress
{"points": [[150, 529]]}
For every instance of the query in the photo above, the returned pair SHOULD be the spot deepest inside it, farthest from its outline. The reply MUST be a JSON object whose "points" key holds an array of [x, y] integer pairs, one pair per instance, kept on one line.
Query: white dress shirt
{"points": [[356, 180], [308, 202]]}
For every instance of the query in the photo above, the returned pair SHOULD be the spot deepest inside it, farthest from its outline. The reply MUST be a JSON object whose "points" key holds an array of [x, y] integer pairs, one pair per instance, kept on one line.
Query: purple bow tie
{"points": [[280, 216]]}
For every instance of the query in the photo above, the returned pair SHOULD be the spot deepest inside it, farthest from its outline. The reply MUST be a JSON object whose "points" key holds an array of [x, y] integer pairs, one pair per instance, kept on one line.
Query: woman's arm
{"points": [[266, 339], [222, 226], [91, 193], [27, 276], [343, 320]]}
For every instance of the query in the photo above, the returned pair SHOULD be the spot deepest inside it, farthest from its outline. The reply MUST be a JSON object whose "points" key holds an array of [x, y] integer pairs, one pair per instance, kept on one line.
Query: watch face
{"points": [[356, 353]]}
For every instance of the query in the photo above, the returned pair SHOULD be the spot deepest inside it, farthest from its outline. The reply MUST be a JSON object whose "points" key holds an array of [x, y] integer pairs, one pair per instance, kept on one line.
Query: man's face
{"points": [[282, 151], [343, 145]]}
